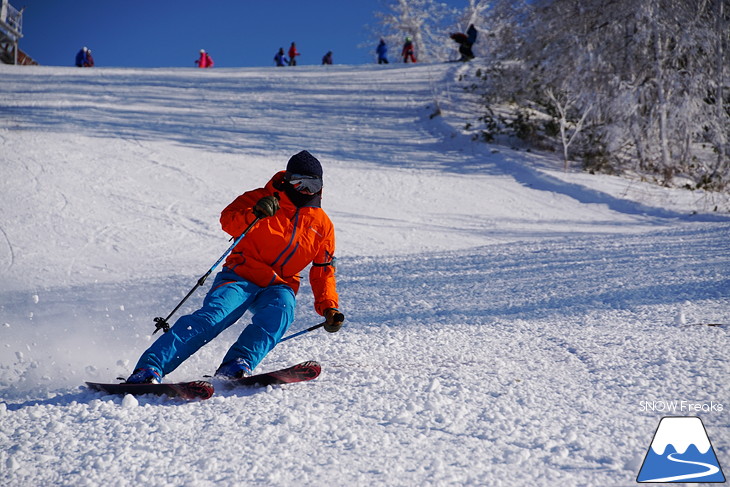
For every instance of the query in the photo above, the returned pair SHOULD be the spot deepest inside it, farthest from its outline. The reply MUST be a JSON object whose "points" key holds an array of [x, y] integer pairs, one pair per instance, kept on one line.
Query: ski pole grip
{"points": [[161, 324]]}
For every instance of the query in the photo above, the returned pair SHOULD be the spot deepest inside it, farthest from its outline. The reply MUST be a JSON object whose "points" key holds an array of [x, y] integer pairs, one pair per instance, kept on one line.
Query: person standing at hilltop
{"points": [[293, 53], [204, 61], [408, 51], [382, 51]]}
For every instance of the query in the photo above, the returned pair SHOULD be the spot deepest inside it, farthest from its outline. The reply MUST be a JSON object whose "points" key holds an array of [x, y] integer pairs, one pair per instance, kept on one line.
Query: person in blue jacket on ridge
{"points": [[81, 58], [280, 59], [382, 51]]}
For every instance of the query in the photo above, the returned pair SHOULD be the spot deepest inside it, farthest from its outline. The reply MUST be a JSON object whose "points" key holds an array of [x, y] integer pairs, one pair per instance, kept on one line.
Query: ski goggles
{"points": [[305, 184]]}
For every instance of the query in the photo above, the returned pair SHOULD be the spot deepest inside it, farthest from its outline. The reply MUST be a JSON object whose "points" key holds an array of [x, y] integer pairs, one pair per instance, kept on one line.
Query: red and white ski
{"points": [[302, 372], [201, 389], [198, 389]]}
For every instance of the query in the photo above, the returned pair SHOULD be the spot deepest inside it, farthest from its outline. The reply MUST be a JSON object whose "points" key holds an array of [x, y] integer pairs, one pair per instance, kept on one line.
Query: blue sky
{"points": [[163, 33]]}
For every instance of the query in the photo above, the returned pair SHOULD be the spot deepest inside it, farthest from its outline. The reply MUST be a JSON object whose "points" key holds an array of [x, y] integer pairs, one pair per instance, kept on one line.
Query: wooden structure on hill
{"points": [[11, 30]]}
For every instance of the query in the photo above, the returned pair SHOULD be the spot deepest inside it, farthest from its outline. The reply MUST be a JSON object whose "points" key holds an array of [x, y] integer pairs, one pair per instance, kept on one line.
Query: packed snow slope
{"points": [[507, 323]]}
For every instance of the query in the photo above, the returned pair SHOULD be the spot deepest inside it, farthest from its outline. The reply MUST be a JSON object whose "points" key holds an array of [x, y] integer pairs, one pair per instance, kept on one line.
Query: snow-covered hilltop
{"points": [[505, 320]]}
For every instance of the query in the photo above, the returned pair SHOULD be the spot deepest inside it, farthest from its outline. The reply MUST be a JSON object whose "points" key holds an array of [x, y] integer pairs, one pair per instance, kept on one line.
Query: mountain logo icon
{"points": [[680, 452]]}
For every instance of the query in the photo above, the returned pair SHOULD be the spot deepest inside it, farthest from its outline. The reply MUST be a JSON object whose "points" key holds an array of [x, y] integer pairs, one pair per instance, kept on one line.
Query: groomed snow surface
{"points": [[507, 323]]}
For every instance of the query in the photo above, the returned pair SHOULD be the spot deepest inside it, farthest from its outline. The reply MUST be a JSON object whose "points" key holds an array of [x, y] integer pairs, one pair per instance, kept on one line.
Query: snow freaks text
{"points": [[680, 406]]}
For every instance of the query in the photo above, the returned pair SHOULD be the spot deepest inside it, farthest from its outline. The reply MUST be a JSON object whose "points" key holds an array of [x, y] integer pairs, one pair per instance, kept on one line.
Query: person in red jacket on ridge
{"points": [[89, 63], [293, 53], [408, 51], [260, 275], [204, 61]]}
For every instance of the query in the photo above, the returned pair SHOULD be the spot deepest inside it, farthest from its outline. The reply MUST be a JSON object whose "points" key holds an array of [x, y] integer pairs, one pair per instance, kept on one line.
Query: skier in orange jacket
{"points": [[260, 275]]}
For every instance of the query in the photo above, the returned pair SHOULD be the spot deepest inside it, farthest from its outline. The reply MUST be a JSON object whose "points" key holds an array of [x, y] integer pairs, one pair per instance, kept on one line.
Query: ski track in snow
{"points": [[504, 319]]}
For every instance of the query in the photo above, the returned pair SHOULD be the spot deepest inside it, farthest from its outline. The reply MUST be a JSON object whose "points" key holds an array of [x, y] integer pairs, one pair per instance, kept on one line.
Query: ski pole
{"points": [[161, 323], [341, 317], [311, 328]]}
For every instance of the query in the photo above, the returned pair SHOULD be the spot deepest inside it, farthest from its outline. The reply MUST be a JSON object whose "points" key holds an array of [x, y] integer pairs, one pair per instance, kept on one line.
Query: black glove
{"points": [[333, 320], [266, 206]]}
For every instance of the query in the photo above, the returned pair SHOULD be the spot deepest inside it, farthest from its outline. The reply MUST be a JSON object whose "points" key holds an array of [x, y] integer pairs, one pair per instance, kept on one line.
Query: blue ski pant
{"points": [[229, 298]]}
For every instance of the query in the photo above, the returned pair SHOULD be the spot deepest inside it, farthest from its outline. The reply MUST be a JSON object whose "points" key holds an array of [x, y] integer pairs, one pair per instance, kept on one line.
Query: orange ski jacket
{"points": [[279, 247]]}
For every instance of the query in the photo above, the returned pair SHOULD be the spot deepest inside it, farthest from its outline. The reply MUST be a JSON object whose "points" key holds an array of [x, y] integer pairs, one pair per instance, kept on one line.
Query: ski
{"points": [[302, 372], [201, 389], [198, 389]]}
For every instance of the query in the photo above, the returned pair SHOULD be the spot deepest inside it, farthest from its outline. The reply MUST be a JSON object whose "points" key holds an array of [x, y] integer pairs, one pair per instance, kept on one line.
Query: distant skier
{"points": [[382, 51], [293, 53], [81, 57], [408, 51], [89, 63], [261, 275], [280, 58], [471, 34], [204, 61], [466, 41], [327, 58]]}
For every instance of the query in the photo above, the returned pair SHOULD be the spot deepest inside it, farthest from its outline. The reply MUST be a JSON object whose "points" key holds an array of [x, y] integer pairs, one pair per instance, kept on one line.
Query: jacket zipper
{"points": [[295, 221]]}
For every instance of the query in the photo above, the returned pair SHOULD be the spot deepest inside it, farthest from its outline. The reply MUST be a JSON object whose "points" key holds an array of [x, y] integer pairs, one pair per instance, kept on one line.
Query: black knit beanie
{"points": [[304, 163]]}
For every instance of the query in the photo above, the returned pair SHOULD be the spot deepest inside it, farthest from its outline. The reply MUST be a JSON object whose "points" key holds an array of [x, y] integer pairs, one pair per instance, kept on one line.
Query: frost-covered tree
{"points": [[648, 79], [666, 70], [423, 21], [546, 66], [720, 92], [563, 104]]}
